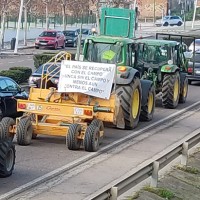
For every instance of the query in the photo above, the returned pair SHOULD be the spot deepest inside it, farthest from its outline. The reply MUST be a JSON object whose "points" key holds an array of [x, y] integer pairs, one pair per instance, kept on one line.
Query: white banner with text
{"points": [[90, 78]]}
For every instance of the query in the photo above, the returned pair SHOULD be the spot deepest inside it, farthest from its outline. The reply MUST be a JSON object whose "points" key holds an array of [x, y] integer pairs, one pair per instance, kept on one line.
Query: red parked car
{"points": [[50, 38]]}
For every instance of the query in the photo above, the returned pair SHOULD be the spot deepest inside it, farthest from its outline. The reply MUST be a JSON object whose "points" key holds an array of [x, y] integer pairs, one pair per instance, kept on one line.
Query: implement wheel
{"points": [[184, 91], [24, 131], [98, 123], [91, 140], [171, 90], [6, 126], [72, 141], [147, 110], [130, 98], [7, 158]]}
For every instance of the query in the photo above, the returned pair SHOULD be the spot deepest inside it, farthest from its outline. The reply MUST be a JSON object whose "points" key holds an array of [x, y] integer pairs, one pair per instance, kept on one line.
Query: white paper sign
{"points": [[90, 78]]}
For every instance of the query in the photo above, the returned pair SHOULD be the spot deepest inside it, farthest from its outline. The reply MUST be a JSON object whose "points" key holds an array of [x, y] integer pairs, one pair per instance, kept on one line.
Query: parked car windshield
{"points": [[49, 68], [69, 33], [48, 34], [104, 53]]}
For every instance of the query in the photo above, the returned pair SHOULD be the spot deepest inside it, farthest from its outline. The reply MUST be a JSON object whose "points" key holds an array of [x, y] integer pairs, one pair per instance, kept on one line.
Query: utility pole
{"points": [[18, 25], [154, 11], [195, 10]]}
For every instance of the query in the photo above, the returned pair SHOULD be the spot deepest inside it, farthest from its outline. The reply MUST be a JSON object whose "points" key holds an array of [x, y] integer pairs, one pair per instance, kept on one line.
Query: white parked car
{"points": [[169, 20], [197, 45]]}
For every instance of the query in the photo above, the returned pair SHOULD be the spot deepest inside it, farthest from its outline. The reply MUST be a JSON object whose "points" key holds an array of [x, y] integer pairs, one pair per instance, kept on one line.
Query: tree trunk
{"points": [[47, 17], [97, 21], [64, 18], [25, 26], [2, 30]]}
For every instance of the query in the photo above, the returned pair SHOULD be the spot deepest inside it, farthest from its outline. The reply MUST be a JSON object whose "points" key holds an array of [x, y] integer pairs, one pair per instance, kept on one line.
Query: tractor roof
{"points": [[154, 42], [110, 39]]}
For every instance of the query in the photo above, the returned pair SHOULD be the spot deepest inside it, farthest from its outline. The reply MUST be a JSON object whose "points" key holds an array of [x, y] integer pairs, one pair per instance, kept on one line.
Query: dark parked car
{"points": [[194, 75], [71, 37], [50, 38], [9, 92], [50, 69], [85, 33]]}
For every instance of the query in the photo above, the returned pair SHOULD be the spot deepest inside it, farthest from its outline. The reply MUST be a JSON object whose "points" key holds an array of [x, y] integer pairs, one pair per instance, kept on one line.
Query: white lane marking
{"points": [[64, 168]]}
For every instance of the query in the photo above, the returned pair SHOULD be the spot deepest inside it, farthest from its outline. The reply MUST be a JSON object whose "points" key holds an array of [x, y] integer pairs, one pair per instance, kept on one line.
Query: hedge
{"points": [[16, 75], [40, 59], [19, 74], [26, 70]]}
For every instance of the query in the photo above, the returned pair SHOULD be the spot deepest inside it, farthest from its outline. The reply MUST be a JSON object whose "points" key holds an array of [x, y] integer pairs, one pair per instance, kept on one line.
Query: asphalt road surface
{"points": [[48, 153]]}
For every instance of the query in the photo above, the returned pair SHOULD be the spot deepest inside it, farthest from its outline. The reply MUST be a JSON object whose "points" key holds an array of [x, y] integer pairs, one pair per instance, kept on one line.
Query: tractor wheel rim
{"points": [[176, 89], [135, 103], [9, 160], [185, 88], [150, 103]]}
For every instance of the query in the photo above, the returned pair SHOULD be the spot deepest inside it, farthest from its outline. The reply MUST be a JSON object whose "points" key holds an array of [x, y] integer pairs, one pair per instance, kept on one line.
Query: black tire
{"points": [[184, 91], [98, 123], [1, 114], [63, 46], [170, 97], [147, 110], [179, 23], [166, 24], [91, 140], [34, 136], [190, 82], [24, 131], [125, 94], [5, 125], [73, 143], [7, 158], [37, 47]]}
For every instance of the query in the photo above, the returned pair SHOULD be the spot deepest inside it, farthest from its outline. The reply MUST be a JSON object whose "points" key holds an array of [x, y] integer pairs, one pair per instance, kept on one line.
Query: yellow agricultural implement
{"points": [[77, 116]]}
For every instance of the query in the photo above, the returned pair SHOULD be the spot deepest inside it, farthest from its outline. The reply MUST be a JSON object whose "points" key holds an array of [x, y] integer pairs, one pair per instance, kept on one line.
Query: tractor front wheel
{"points": [[130, 100], [171, 90], [147, 110], [184, 91]]}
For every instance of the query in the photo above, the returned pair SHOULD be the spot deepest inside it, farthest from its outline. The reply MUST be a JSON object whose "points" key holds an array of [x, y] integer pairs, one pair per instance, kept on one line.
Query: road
{"points": [[46, 153], [26, 60]]}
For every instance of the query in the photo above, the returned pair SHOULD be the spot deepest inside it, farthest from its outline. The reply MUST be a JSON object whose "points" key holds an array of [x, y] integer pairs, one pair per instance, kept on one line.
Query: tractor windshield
{"points": [[104, 53], [155, 54]]}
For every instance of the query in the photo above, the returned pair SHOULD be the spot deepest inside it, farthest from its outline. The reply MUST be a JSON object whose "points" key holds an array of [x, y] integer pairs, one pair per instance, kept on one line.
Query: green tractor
{"points": [[115, 45], [164, 63]]}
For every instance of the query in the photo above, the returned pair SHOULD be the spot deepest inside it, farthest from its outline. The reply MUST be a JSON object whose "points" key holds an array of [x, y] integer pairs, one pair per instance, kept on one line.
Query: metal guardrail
{"points": [[148, 169]]}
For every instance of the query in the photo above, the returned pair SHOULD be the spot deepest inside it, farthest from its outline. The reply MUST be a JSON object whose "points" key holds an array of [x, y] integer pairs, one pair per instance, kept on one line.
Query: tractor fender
{"points": [[120, 80], [146, 85], [169, 68]]}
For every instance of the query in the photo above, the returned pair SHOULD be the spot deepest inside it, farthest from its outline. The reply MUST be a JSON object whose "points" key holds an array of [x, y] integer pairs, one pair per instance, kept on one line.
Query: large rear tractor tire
{"points": [[147, 110], [72, 141], [6, 125], [184, 91], [130, 100], [171, 90], [24, 131], [7, 158], [91, 140]]}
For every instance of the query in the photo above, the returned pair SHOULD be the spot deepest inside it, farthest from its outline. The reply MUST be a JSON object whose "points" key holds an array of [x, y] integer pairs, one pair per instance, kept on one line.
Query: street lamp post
{"points": [[18, 25]]}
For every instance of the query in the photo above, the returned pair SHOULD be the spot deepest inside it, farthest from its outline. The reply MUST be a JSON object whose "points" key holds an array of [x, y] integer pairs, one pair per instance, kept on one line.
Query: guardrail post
{"points": [[184, 157], [154, 177], [114, 193]]}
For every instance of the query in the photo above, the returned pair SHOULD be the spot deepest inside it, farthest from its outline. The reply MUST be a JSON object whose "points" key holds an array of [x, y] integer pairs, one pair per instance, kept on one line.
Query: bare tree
{"points": [[64, 6], [47, 3], [5, 7]]}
